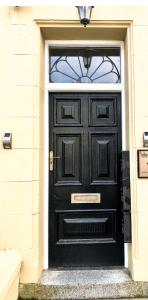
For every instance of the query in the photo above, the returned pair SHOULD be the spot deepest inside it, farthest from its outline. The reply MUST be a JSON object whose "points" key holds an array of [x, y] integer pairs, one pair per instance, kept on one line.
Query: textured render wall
{"points": [[21, 112], [140, 124], [21, 106]]}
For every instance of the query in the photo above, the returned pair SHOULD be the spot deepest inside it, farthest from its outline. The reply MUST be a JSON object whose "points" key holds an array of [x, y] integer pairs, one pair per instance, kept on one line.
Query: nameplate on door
{"points": [[86, 198], [143, 163]]}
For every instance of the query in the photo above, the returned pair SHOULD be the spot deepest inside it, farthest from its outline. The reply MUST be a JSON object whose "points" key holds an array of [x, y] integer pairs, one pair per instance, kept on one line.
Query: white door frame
{"points": [[76, 87]]}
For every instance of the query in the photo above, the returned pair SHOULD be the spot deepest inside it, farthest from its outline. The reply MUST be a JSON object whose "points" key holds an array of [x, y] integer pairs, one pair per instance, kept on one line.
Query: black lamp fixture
{"points": [[87, 61], [84, 14]]}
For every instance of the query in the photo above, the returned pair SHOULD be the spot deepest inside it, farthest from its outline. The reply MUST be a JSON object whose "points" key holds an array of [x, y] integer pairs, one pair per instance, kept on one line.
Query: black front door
{"points": [[85, 206]]}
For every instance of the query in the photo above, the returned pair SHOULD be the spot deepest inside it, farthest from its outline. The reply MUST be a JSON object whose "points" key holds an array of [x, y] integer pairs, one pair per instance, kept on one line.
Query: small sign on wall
{"points": [[142, 163]]}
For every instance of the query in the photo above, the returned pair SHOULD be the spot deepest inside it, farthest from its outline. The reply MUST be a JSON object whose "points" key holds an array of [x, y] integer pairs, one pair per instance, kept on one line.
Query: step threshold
{"points": [[84, 284]]}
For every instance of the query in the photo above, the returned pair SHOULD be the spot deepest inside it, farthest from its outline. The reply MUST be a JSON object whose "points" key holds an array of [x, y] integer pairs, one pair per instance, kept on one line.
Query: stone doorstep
{"points": [[84, 284]]}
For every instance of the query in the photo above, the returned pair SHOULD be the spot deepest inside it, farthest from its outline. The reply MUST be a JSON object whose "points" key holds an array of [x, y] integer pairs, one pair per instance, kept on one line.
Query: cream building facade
{"points": [[24, 87]]}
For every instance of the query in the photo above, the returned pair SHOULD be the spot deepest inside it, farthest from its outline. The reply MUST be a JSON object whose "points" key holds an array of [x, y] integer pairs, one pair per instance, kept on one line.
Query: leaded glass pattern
{"points": [[96, 65]]}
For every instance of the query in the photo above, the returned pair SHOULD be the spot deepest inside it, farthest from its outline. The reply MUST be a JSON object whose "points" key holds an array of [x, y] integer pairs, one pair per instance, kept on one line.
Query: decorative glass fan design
{"points": [[88, 68]]}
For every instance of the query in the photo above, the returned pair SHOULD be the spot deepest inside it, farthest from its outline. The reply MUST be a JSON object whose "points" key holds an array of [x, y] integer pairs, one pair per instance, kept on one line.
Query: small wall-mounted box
{"points": [[7, 140], [145, 139]]}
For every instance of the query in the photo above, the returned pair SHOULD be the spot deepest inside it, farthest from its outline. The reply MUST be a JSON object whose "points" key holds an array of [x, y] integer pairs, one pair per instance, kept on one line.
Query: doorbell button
{"points": [[7, 140]]}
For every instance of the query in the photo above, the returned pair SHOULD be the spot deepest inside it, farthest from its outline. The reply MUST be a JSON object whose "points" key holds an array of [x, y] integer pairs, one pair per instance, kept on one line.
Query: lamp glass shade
{"points": [[84, 14]]}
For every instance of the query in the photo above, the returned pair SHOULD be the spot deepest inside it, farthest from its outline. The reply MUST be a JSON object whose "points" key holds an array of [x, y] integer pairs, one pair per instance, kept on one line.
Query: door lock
{"points": [[51, 158]]}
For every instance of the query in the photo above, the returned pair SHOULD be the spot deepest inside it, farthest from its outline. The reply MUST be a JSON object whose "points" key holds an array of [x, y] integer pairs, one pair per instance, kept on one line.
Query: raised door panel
{"points": [[68, 165], [76, 227], [103, 158], [102, 112], [67, 112]]}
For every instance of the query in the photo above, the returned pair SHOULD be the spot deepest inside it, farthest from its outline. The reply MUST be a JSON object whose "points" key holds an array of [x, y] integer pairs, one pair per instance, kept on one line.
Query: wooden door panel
{"points": [[68, 165], [67, 111], [102, 111], [103, 158], [61, 198], [80, 226]]}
